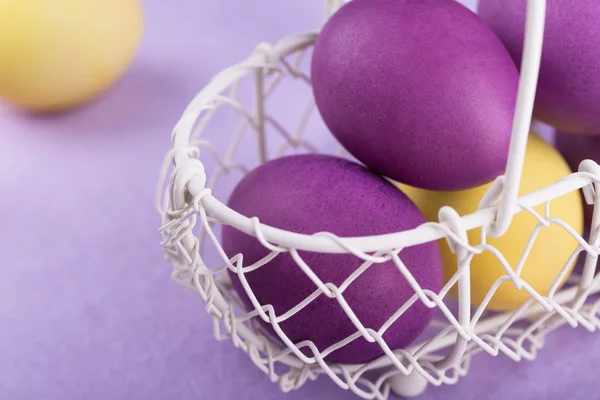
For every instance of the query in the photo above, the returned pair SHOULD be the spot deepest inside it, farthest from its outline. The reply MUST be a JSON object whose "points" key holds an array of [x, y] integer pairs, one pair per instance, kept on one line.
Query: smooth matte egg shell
{"points": [[314, 193], [568, 91], [419, 91]]}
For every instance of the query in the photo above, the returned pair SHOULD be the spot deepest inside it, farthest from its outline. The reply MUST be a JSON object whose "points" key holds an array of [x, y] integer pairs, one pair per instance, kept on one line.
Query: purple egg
{"points": [[568, 94], [420, 91], [575, 149], [314, 193]]}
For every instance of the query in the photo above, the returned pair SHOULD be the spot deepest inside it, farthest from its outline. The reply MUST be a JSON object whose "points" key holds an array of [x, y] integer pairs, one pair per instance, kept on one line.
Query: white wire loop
{"points": [[191, 214], [589, 191]]}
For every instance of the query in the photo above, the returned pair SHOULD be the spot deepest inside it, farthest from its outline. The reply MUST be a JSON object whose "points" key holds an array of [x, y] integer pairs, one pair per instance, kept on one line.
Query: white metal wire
{"points": [[191, 214], [530, 66]]}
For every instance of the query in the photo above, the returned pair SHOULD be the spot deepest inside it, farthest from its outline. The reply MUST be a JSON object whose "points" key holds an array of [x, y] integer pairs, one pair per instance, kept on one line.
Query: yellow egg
{"points": [[551, 250], [55, 54]]}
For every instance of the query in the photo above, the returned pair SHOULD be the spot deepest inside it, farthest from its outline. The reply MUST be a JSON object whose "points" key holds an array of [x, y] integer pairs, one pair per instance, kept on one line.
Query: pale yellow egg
{"points": [[55, 54], [551, 250]]}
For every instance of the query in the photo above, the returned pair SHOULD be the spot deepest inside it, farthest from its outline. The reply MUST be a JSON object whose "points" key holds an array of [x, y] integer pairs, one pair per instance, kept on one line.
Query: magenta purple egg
{"points": [[314, 193], [422, 92], [568, 93]]}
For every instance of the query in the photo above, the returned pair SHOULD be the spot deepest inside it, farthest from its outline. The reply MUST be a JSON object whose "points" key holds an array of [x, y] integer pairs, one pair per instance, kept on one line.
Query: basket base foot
{"points": [[410, 385]]}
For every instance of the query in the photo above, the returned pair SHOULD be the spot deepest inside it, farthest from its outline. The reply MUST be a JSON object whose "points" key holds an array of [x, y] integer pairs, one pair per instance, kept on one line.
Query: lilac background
{"points": [[87, 308]]}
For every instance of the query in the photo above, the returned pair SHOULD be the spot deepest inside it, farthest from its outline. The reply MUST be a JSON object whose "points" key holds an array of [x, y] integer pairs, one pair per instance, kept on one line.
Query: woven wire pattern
{"points": [[191, 231]]}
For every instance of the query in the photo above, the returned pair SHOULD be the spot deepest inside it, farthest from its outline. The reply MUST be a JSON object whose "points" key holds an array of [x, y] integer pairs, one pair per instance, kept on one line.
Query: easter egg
{"points": [[551, 249], [418, 91], [57, 54], [575, 149], [568, 91], [315, 193]]}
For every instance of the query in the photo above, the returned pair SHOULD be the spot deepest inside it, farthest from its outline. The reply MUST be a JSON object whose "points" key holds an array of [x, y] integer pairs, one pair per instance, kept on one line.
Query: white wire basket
{"points": [[192, 216]]}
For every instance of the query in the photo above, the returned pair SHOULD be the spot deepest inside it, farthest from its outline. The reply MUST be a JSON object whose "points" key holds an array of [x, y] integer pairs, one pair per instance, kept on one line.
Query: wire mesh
{"points": [[192, 218]]}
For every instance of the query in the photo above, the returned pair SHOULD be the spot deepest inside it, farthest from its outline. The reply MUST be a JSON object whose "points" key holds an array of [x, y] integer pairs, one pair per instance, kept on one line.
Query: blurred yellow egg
{"points": [[55, 54], [551, 250]]}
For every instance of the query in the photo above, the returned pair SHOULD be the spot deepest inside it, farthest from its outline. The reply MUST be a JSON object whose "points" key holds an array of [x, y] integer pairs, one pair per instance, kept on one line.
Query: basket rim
{"points": [[325, 242], [267, 56]]}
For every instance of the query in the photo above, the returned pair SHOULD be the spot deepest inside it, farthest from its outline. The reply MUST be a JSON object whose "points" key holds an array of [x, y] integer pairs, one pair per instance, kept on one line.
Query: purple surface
{"points": [[302, 194], [568, 94], [87, 309], [419, 91]]}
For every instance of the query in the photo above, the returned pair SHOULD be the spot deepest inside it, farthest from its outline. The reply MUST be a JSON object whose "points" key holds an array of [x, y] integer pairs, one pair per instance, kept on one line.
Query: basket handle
{"points": [[530, 66]]}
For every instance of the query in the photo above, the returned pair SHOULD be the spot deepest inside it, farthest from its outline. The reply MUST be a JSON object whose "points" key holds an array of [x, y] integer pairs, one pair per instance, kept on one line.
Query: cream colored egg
{"points": [[55, 54], [551, 250]]}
